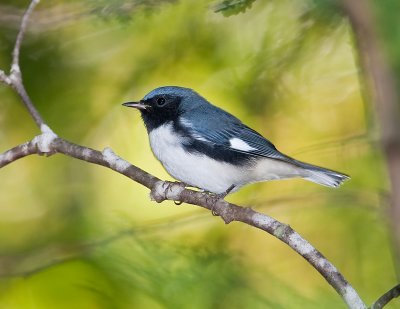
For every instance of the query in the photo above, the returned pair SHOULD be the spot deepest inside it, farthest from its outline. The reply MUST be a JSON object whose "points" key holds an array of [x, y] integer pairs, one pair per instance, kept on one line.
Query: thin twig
{"points": [[20, 89], [387, 297], [14, 79], [15, 68]]}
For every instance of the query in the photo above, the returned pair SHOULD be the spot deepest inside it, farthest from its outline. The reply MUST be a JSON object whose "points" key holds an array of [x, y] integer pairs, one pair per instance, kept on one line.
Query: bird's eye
{"points": [[161, 101]]}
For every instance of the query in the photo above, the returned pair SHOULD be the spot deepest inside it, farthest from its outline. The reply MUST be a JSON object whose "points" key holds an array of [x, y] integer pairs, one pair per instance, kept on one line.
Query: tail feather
{"points": [[322, 175]]}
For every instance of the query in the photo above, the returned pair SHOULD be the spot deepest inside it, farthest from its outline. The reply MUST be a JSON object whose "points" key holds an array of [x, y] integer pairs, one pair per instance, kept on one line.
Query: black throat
{"points": [[155, 116]]}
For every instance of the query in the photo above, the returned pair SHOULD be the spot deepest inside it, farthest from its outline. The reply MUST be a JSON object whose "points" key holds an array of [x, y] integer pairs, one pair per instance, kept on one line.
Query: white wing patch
{"points": [[237, 143]]}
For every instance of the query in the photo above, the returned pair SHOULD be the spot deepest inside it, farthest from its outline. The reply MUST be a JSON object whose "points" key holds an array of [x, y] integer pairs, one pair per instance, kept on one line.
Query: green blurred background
{"points": [[75, 235]]}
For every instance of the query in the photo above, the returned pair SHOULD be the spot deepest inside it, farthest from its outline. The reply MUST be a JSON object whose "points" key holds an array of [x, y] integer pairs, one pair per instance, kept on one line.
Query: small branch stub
{"points": [[4, 78], [15, 68]]}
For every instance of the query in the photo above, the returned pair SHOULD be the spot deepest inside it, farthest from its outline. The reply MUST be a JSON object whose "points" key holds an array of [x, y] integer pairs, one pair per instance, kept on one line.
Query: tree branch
{"points": [[15, 68], [17, 152], [161, 191]]}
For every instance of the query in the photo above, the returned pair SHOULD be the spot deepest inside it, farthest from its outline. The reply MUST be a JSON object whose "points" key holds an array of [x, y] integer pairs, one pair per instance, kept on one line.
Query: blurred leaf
{"points": [[123, 9], [322, 12], [233, 7]]}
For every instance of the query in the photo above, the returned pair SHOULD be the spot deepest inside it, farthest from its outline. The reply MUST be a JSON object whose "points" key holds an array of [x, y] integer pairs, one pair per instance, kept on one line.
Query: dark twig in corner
{"points": [[387, 297]]}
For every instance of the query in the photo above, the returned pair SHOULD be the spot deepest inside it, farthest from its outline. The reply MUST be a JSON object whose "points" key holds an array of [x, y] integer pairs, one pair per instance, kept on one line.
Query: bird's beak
{"points": [[139, 105]]}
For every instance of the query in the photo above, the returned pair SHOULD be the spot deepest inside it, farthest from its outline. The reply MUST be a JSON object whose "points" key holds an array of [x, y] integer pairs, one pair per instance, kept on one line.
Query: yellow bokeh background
{"points": [[78, 235]]}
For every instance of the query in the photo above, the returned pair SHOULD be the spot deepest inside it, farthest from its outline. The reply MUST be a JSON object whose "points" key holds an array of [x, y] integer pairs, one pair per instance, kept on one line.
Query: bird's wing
{"points": [[235, 136]]}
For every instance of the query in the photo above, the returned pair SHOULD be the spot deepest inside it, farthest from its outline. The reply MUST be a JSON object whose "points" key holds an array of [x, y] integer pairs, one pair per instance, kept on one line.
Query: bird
{"points": [[206, 147]]}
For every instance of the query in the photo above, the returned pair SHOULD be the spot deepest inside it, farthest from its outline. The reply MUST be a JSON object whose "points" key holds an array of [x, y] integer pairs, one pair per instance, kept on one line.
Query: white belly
{"points": [[200, 171], [194, 169]]}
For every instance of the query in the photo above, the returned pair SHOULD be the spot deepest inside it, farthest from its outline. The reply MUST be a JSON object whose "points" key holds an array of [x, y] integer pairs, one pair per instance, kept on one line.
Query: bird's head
{"points": [[166, 104]]}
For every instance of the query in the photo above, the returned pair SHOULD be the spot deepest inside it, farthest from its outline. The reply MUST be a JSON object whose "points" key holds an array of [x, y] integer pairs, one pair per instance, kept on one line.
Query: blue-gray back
{"points": [[211, 124]]}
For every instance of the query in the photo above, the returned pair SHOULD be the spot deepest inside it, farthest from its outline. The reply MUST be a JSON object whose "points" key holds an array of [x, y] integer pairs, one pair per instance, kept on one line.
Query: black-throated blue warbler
{"points": [[208, 148]]}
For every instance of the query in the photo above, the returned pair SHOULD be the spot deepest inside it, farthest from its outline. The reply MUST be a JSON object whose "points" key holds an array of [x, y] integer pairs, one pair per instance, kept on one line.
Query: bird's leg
{"points": [[221, 196], [229, 190]]}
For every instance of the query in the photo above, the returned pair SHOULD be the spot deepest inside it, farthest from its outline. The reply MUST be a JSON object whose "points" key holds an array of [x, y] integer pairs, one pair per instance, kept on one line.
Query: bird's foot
{"points": [[217, 197], [222, 195], [164, 190], [179, 183]]}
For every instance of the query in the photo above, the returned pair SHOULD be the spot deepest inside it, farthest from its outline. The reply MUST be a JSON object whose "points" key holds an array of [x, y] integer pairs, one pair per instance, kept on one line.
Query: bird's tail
{"points": [[322, 175]]}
